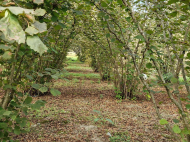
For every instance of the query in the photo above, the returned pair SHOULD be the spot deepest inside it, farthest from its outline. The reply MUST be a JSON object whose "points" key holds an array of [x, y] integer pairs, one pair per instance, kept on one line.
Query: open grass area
{"points": [[81, 75], [78, 68], [73, 61]]}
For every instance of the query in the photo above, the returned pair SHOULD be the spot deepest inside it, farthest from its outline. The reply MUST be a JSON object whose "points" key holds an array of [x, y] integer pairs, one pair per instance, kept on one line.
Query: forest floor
{"points": [[87, 111]]}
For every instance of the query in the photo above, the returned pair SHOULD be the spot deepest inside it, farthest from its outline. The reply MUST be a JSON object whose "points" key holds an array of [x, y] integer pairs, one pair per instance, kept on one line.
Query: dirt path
{"points": [[85, 110]]}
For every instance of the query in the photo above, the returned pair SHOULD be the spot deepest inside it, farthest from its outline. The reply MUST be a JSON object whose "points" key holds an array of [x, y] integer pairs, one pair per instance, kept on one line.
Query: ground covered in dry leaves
{"points": [[83, 111]]}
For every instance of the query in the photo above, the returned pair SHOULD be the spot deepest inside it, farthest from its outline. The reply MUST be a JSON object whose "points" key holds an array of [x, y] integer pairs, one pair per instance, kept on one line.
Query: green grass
{"points": [[46, 112], [77, 68], [120, 137], [81, 75], [73, 62]]}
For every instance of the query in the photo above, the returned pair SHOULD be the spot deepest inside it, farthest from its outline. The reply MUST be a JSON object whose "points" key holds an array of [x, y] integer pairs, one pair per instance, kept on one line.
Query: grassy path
{"points": [[87, 111]]}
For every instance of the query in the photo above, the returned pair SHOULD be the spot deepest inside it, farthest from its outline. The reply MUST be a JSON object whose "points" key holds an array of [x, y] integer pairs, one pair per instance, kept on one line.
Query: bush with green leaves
{"points": [[13, 119], [120, 137], [20, 47]]}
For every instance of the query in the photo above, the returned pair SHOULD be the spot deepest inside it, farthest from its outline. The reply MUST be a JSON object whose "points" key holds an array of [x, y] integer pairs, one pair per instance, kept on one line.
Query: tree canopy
{"points": [[120, 39]]}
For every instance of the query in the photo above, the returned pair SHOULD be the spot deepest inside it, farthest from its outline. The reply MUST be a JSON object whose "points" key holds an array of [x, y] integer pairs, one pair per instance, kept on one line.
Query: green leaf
{"points": [[40, 74], [163, 121], [128, 19], [120, 2], [160, 103], [172, 1], [13, 117], [106, 17], [57, 27], [183, 17], [62, 25], [174, 80], [17, 130], [96, 119], [109, 120], [173, 14], [38, 104], [176, 129], [17, 10], [7, 47], [108, 35], [103, 4], [2, 36], [20, 53], [47, 84], [188, 63], [7, 86], [149, 32], [29, 77], [153, 47], [3, 125], [36, 44], [188, 55], [23, 123], [188, 96], [31, 30], [54, 18], [175, 120], [25, 110], [1, 134], [38, 1], [43, 89], [55, 77], [11, 29], [7, 55], [149, 65], [20, 94], [7, 113], [48, 69], [36, 86], [28, 100], [41, 27], [78, 12], [112, 40], [97, 111], [55, 92], [139, 37], [39, 12], [187, 106]]}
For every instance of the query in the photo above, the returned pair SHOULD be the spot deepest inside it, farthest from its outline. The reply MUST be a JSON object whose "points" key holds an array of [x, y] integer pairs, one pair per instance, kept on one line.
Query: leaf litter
{"points": [[70, 116]]}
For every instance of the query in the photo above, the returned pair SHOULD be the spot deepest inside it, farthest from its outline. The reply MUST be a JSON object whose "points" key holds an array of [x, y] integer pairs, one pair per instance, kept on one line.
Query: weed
{"points": [[118, 97], [101, 96], [99, 81], [58, 84], [134, 99], [92, 82], [120, 137], [101, 118], [46, 112]]}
